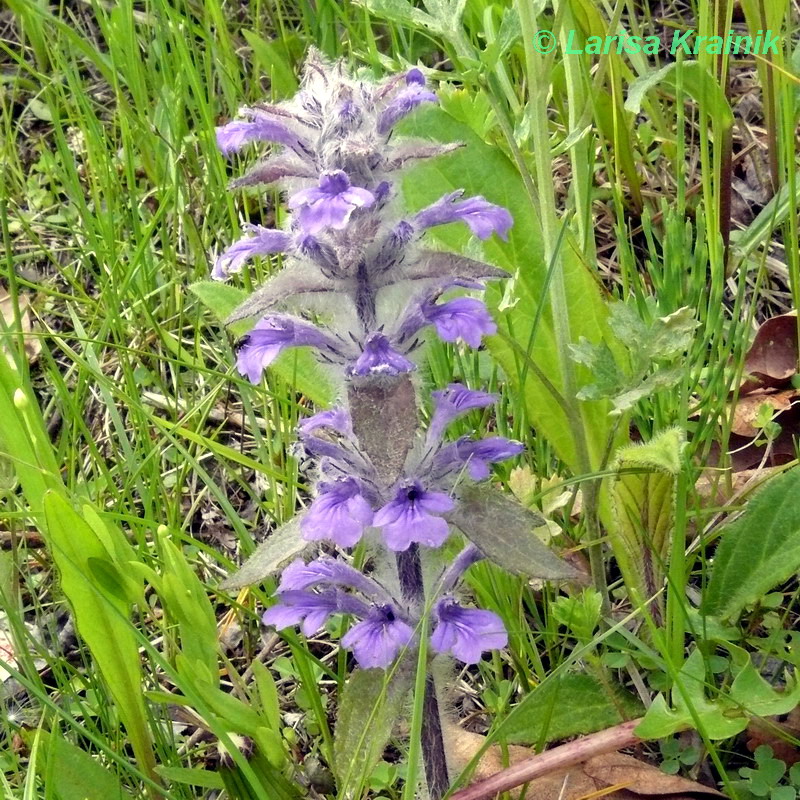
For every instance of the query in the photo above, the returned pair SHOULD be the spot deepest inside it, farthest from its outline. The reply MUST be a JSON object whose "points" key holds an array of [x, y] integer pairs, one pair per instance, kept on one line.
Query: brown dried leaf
{"points": [[772, 358], [747, 408], [615, 775], [777, 733], [33, 344]]}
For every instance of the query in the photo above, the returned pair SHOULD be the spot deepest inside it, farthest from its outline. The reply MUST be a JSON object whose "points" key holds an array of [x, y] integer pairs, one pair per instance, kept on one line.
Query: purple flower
{"points": [[412, 517], [307, 609], [261, 128], [272, 335], [263, 242], [379, 357], [453, 402], [476, 454], [463, 318], [466, 632], [378, 639], [336, 419], [330, 204], [405, 101], [482, 217], [479, 454], [326, 572], [340, 512]]}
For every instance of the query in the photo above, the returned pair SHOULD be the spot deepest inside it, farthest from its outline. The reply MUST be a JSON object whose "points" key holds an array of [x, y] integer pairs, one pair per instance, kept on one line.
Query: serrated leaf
{"points": [[643, 508], [280, 547], [296, 366], [600, 360], [759, 550], [659, 380], [503, 531], [592, 707], [368, 709]]}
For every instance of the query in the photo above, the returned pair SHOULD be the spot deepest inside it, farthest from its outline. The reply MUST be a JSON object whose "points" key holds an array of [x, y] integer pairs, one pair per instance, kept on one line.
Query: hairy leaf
{"points": [[280, 547], [758, 550], [298, 279], [540, 716], [368, 709], [503, 531], [383, 409], [643, 506]]}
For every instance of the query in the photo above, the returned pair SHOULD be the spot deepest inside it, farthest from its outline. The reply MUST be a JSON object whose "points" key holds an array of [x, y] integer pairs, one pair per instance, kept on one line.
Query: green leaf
{"points": [[296, 366], [101, 617], [697, 82], [368, 709], [749, 695], [482, 169], [503, 530], [274, 60], [192, 776], [77, 774], [279, 548], [757, 551], [592, 707], [643, 507]]}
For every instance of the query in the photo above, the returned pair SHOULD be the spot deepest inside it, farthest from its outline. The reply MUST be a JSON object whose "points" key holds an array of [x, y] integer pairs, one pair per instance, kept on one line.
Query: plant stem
{"points": [[409, 571]]}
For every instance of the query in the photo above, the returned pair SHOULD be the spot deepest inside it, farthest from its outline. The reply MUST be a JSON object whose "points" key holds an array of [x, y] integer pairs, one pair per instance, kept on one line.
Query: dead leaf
{"points": [[614, 776], [33, 344], [772, 358], [747, 409], [777, 733]]}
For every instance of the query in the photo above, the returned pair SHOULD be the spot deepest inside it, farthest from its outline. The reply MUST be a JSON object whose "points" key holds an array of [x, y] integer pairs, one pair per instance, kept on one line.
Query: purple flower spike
{"points": [[463, 318], [412, 517], [330, 204], [272, 335], [466, 632], [453, 402], [404, 102], [336, 419], [263, 241], [339, 513], [482, 217], [380, 358], [377, 640], [479, 454], [307, 609], [235, 135]]}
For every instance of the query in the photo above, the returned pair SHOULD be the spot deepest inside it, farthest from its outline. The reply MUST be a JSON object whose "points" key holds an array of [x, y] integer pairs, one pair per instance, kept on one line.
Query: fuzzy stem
{"points": [[409, 572]]}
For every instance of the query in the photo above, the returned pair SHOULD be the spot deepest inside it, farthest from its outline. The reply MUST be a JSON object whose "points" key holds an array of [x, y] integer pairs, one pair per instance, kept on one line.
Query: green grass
{"points": [[112, 199]]}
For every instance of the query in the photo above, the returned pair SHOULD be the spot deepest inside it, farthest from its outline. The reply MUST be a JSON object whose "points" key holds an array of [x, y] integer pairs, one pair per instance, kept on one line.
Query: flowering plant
{"points": [[359, 286]]}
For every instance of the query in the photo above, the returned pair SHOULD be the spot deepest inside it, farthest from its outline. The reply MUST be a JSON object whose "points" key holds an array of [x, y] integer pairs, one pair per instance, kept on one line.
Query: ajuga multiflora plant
{"points": [[360, 287]]}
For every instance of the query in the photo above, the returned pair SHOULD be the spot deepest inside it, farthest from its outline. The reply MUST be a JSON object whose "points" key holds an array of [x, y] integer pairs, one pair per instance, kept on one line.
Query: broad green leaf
{"points": [[77, 774], [279, 548], [503, 530], [101, 617], [759, 550], [643, 506], [368, 709], [729, 714], [540, 716], [295, 366], [481, 169]]}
